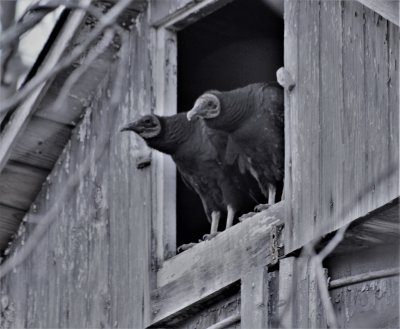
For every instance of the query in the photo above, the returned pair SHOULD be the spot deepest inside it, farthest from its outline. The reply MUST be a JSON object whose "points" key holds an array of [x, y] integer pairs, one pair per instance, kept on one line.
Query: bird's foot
{"points": [[246, 216], [185, 247], [262, 207], [207, 237]]}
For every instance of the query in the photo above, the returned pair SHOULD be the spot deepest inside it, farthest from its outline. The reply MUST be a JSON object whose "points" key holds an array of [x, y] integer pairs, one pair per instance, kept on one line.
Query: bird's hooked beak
{"points": [[129, 127], [198, 110]]}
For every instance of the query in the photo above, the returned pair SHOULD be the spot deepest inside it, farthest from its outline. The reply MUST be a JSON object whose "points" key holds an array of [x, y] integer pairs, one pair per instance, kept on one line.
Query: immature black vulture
{"points": [[196, 151], [253, 117]]}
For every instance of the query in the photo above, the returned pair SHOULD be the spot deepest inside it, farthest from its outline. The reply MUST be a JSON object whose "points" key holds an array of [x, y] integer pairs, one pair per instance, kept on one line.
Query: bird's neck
{"points": [[233, 112], [175, 131]]}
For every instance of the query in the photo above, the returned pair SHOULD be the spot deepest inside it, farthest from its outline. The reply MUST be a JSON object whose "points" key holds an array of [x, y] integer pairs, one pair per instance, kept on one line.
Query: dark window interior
{"points": [[239, 44]]}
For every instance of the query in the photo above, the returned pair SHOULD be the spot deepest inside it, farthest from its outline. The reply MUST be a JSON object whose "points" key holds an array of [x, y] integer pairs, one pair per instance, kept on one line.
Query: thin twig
{"points": [[317, 267], [106, 22]]}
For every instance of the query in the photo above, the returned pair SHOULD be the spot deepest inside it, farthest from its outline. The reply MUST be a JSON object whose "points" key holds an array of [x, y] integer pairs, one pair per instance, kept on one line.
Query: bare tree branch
{"points": [[106, 21]]}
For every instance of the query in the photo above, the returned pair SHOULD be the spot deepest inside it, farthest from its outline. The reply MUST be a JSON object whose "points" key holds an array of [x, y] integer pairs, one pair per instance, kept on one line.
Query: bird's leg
{"points": [[283, 192], [185, 246], [215, 216], [230, 216], [271, 199], [271, 194]]}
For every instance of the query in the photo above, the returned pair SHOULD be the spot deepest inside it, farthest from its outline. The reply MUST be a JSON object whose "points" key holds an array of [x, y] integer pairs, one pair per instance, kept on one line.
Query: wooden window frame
{"points": [[251, 245], [164, 49]]}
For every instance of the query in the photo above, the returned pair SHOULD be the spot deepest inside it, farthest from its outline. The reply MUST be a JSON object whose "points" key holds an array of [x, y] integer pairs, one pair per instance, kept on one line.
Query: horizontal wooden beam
{"points": [[382, 226], [388, 9], [176, 15], [211, 266]]}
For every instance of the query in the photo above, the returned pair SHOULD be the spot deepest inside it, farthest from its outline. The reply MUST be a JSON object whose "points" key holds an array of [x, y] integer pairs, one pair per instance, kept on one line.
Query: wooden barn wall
{"points": [[342, 117], [90, 268]]}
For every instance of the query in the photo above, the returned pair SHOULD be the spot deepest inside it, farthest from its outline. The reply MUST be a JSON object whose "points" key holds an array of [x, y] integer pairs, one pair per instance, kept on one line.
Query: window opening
{"points": [[239, 44]]}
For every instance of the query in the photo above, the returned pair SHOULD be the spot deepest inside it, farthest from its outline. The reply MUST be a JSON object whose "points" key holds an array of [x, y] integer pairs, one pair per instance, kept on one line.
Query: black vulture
{"points": [[253, 117], [196, 152]]}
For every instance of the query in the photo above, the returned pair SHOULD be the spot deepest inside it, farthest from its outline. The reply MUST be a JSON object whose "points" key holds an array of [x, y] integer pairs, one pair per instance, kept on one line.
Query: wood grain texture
{"points": [[199, 273], [299, 300], [41, 143], [373, 303], [341, 118], [254, 299], [92, 266], [389, 9], [210, 314], [164, 53], [13, 181]]}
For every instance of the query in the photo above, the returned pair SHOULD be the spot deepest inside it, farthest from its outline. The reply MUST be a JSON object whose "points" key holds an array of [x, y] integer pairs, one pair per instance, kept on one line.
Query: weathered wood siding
{"points": [[342, 118], [370, 304], [90, 268]]}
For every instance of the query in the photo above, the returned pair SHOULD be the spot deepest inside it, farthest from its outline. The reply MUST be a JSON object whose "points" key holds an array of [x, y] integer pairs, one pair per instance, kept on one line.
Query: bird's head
{"points": [[147, 126], [206, 106]]}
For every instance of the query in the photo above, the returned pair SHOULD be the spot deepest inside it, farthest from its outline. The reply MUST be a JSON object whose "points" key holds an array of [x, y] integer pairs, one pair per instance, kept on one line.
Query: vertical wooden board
{"points": [[119, 177], [376, 109], [305, 174], [254, 299], [77, 233], [394, 109], [354, 123], [291, 115], [141, 188], [331, 110], [165, 83], [286, 292], [98, 302]]}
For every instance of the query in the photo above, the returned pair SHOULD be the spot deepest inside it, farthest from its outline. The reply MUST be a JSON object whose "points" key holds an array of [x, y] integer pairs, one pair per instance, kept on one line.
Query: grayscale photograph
{"points": [[199, 164]]}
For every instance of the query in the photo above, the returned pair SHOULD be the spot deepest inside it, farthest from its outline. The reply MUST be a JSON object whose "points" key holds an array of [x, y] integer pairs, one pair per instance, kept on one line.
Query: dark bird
{"points": [[253, 118], [196, 151]]}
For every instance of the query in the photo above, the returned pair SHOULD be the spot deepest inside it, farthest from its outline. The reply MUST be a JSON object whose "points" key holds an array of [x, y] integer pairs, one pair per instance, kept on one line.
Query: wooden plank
{"points": [[331, 109], [141, 209], [342, 139], [305, 125], [224, 311], [198, 273], [254, 299], [376, 107], [41, 143], [373, 303], [388, 9], [10, 219], [291, 114], [19, 185], [393, 103], [286, 293], [21, 116], [165, 56], [377, 228], [178, 14]]}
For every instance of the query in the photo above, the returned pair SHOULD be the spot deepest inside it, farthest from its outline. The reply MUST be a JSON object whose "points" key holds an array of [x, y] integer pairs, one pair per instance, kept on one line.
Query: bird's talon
{"points": [[261, 207], [185, 247], [246, 216], [207, 237]]}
